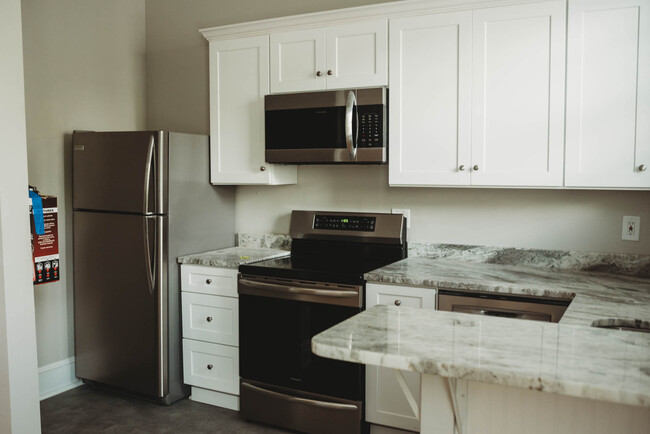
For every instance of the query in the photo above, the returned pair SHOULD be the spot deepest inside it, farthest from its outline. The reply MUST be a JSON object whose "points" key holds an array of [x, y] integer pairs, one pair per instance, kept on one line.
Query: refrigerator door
{"points": [[120, 308], [119, 171]]}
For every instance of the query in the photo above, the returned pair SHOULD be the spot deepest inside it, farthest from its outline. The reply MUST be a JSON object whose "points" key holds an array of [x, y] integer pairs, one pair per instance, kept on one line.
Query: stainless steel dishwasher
{"points": [[506, 306]]}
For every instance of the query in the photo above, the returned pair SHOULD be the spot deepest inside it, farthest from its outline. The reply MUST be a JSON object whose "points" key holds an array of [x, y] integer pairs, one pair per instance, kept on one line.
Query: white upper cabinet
{"points": [[477, 97], [430, 99], [239, 79], [334, 57], [608, 94], [518, 95]]}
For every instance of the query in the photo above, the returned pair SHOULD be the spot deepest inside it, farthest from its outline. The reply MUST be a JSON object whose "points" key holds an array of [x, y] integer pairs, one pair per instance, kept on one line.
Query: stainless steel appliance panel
{"points": [[119, 171], [120, 301]]}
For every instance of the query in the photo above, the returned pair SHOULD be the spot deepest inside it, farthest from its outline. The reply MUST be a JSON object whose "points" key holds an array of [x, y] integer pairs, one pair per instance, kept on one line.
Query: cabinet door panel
{"points": [[357, 55], [296, 58], [385, 400], [239, 79], [608, 94], [430, 83], [518, 95]]}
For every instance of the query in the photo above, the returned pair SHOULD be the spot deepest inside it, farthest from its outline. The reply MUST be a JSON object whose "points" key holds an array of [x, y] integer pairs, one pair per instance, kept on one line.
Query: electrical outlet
{"points": [[631, 228], [407, 214]]}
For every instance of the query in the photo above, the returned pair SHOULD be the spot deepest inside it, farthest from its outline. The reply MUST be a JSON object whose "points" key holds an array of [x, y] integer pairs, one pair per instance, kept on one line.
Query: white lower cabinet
{"points": [[386, 403], [210, 309]]}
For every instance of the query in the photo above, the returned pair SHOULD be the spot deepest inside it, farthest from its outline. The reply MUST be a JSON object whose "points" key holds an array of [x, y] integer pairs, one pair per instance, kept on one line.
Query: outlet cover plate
{"points": [[631, 228]]}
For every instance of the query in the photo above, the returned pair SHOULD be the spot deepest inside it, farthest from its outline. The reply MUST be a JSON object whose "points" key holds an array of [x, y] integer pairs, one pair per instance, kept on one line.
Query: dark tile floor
{"points": [[89, 410]]}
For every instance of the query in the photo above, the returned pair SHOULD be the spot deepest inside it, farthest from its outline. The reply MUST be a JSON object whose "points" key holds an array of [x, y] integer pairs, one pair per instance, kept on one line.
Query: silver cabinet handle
{"points": [[475, 167], [461, 167], [262, 168], [398, 302], [210, 367], [350, 136], [642, 168], [208, 281], [318, 73], [209, 319], [330, 72]]}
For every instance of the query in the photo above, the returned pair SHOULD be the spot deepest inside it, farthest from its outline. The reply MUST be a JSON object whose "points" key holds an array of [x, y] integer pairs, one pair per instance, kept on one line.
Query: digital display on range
{"points": [[344, 223]]}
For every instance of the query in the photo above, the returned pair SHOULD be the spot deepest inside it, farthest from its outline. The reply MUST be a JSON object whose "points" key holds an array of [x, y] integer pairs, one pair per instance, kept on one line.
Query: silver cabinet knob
{"points": [[318, 73], [330, 72], [475, 167], [208, 281], [398, 302], [209, 319], [642, 168], [262, 168], [461, 167], [210, 367]]}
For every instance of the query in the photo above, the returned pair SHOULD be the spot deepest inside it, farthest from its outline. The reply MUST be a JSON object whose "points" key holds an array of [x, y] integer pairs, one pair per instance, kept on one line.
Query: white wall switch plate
{"points": [[407, 214], [631, 228]]}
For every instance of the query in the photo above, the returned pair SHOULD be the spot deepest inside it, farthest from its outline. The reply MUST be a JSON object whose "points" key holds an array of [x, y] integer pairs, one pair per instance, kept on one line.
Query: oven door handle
{"points": [[297, 290], [312, 402]]}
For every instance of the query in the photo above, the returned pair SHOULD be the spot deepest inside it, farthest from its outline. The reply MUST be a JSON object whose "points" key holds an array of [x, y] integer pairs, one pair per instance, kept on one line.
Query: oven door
{"points": [[276, 325]]}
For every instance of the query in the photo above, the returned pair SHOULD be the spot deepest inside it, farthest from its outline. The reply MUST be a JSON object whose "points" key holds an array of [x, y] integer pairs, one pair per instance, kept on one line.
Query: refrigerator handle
{"points": [[151, 270], [162, 305], [147, 175]]}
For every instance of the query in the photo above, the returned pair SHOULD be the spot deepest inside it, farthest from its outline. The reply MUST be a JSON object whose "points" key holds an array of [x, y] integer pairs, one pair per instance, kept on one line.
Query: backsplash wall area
{"points": [[577, 220]]}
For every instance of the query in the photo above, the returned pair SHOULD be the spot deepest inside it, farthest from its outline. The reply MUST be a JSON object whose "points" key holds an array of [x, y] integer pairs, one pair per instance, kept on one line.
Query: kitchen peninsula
{"points": [[486, 373]]}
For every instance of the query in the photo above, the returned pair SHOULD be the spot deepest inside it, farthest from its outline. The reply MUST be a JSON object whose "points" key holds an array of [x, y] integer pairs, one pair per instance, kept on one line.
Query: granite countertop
{"points": [[593, 295], [586, 362], [232, 257]]}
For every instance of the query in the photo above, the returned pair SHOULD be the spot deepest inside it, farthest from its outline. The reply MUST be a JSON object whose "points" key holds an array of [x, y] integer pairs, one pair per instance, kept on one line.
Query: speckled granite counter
{"points": [[594, 295], [607, 365], [232, 257]]}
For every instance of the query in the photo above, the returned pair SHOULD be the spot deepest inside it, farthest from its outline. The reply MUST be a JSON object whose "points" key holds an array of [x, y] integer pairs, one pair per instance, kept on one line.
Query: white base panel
{"points": [[56, 378], [218, 399], [380, 429]]}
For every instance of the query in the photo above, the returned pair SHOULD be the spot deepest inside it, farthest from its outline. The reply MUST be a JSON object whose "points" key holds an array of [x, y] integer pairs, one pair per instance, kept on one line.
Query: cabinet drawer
{"points": [[211, 366], [211, 318], [209, 280], [400, 296]]}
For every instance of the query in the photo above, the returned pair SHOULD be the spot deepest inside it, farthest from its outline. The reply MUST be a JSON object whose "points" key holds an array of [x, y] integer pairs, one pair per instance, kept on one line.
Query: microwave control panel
{"points": [[371, 126], [344, 223]]}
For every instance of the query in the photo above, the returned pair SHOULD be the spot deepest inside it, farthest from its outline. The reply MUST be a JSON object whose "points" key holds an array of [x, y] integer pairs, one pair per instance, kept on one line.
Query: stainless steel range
{"points": [[284, 302]]}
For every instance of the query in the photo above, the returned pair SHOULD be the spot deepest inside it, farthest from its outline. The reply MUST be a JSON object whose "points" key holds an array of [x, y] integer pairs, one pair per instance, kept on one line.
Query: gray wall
{"points": [[84, 69], [19, 409], [177, 82]]}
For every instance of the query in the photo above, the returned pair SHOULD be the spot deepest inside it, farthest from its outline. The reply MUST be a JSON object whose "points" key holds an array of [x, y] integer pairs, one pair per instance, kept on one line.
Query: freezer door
{"points": [[119, 171], [120, 307]]}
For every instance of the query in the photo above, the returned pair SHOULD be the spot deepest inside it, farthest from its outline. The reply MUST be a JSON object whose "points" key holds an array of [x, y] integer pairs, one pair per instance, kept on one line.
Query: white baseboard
{"points": [[56, 378]]}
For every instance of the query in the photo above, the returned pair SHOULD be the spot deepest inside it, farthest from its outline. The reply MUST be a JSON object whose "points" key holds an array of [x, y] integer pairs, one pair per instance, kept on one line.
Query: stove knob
{"points": [[398, 302]]}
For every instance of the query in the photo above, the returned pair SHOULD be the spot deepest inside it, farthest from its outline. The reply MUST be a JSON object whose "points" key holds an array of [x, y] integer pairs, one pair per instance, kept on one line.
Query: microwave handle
{"points": [[351, 136]]}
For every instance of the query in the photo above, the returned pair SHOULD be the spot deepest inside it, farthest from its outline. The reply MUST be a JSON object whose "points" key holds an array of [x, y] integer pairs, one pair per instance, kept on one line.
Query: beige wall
{"points": [[177, 63], [84, 69], [19, 409]]}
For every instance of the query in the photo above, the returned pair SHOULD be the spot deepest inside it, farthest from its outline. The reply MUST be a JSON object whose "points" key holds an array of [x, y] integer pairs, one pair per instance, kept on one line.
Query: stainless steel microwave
{"points": [[342, 126]]}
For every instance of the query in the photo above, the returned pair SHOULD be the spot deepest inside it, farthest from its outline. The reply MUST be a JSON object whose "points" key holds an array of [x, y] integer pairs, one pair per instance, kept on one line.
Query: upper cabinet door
{"points": [[239, 79], [608, 94], [298, 61], [336, 57], [430, 100], [357, 55], [518, 95]]}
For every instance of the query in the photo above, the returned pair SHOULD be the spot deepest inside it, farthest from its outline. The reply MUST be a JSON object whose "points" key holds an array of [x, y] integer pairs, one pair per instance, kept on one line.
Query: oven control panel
{"points": [[344, 223]]}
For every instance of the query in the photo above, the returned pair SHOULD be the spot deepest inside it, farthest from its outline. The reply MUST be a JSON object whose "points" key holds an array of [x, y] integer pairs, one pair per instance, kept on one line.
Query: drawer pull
{"points": [[209, 319], [208, 281], [210, 367], [398, 302]]}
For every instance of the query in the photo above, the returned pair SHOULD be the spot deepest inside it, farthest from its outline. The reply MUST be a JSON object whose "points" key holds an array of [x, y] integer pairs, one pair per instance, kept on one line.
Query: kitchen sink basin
{"points": [[634, 325]]}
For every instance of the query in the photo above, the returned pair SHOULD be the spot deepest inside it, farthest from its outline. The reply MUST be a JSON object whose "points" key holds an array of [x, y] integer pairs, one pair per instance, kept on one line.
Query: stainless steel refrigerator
{"points": [[140, 200]]}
